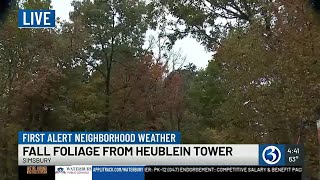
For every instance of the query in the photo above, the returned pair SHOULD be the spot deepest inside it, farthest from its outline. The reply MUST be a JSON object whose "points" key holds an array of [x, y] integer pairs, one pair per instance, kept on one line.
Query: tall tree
{"points": [[115, 28], [275, 79], [28, 79]]}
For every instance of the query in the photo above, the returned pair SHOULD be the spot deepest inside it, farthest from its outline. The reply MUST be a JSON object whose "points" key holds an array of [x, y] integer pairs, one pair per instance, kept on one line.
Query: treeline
{"points": [[95, 73]]}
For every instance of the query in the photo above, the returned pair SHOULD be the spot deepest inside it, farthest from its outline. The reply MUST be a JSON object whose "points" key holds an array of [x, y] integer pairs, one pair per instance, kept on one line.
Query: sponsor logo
{"points": [[60, 170], [37, 170], [74, 170]]}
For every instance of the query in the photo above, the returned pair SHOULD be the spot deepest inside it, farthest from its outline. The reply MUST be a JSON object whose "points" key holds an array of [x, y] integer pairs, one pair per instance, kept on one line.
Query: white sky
{"points": [[190, 48]]}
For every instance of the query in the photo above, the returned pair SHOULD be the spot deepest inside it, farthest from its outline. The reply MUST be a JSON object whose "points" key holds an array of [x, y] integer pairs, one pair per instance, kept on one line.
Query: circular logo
{"points": [[271, 155]]}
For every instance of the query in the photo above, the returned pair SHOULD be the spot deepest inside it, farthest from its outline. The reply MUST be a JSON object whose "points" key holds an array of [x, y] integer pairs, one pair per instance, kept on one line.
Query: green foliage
{"points": [[208, 21], [124, 21], [207, 93]]}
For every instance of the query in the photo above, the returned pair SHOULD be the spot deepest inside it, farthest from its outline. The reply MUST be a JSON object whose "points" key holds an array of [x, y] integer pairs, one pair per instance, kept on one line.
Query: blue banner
{"points": [[271, 155], [36, 19], [118, 172], [99, 137]]}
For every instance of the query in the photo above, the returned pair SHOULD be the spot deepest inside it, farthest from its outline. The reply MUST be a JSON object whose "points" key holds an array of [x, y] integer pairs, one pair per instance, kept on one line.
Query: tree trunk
{"points": [[9, 87], [109, 61], [107, 105], [179, 118]]}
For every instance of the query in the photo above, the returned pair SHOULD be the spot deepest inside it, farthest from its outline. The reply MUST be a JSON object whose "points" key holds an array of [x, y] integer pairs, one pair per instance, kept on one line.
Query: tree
{"points": [[210, 21], [28, 79], [114, 29], [274, 80]]}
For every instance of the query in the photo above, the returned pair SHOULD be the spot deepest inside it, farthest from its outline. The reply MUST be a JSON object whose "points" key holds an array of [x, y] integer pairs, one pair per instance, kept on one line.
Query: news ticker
{"points": [[145, 148], [157, 172]]}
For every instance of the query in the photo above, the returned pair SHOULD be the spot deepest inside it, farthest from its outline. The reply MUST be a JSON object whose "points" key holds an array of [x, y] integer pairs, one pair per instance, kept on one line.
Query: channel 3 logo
{"points": [[271, 155]]}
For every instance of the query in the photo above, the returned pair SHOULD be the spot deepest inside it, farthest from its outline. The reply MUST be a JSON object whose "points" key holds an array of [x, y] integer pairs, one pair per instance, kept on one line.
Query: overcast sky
{"points": [[194, 52]]}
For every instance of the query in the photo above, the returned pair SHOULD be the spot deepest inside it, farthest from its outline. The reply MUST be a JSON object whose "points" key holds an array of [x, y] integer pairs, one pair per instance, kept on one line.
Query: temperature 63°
{"points": [[293, 158]]}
